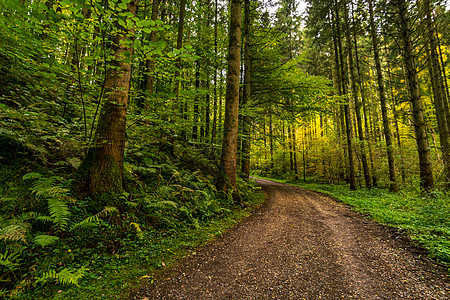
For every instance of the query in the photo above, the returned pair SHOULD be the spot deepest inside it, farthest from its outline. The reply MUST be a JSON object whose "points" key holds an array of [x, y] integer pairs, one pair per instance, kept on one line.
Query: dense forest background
{"points": [[126, 123]]}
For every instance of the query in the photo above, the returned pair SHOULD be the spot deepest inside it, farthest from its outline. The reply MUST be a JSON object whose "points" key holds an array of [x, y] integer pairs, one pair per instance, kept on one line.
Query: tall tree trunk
{"points": [[179, 46], [354, 82], [423, 147], [384, 111], [347, 115], [271, 138], [438, 90], [396, 116], [245, 164], [294, 150], [214, 125], [151, 62], [197, 87], [228, 161], [102, 168]]}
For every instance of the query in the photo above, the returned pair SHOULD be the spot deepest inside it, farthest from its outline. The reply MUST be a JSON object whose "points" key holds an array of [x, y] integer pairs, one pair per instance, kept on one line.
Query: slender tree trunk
{"points": [[102, 168], [228, 161], [245, 164], [214, 125], [423, 147], [384, 111], [354, 82], [271, 138], [438, 90], [294, 150], [179, 46], [197, 87], [396, 117], [348, 120], [151, 62], [291, 159]]}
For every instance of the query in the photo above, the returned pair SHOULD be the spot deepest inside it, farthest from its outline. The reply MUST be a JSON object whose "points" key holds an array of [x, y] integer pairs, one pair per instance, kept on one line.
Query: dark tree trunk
{"points": [[245, 164], [438, 90], [179, 46], [423, 147], [354, 80], [214, 125], [150, 62], [347, 116], [384, 112]]}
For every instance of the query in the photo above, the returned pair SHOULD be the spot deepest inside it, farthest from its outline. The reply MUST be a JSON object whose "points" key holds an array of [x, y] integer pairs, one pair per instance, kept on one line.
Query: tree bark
{"points": [[179, 46], [102, 169], [438, 90], [384, 112], [245, 164], [423, 147], [228, 161], [354, 80], [150, 62], [347, 115]]}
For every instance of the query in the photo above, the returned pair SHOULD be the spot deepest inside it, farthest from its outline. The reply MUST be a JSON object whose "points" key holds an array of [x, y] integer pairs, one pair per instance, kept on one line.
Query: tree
{"points": [[245, 166], [439, 90], [401, 9], [228, 161], [102, 168], [383, 102], [366, 170]]}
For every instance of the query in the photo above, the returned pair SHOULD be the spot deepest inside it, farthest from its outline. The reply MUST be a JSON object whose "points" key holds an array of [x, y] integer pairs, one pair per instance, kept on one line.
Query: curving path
{"points": [[303, 245]]}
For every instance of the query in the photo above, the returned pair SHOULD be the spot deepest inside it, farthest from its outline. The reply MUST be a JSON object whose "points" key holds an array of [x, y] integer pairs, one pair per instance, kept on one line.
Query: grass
{"points": [[424, 218], [118, 274]]}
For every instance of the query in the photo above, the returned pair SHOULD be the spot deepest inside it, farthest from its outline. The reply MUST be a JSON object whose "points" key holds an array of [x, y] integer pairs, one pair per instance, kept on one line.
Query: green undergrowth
{"points": [[113, 276], [424, 218], [53, 245]]}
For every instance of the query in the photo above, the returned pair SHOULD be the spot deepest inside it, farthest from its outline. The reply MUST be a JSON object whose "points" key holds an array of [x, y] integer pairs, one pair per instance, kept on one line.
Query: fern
{"points": [[59, 212], [45, 187], [13, 233], [10, 260], [93, 220], [64, 277], [45, 240], [32, 175]]}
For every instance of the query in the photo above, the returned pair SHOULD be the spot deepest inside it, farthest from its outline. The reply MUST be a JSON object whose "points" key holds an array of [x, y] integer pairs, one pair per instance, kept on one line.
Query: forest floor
{"points": [[303, 245]]}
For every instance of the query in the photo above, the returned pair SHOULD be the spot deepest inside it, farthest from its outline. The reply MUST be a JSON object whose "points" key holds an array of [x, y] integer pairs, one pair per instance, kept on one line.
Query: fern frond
{"points": [[43, 186], [64, 277], [45, 240], [164, 191], [45, 219], [59, 212], [31, 175], [10, 260], [94, 219], [13, 233]]}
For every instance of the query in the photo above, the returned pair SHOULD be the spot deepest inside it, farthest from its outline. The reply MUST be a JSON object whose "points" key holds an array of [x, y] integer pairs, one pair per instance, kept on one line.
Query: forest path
{"points": [[302, 245]]}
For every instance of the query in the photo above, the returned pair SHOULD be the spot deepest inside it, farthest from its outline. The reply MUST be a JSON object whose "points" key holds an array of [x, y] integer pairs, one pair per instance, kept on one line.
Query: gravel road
{"points": [[303, 245]]}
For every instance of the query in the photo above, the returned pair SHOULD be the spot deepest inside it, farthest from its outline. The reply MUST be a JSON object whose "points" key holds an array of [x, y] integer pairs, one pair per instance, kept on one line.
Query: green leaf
{"points": [[122, 5]]}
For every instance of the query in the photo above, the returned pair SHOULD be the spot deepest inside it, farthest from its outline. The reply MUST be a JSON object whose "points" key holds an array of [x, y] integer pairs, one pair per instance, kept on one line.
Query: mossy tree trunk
{"points": [[102, 169]]}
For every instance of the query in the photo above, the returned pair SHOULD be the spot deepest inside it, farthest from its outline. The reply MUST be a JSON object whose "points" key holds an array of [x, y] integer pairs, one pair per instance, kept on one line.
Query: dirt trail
{"points": [[303, 245]]}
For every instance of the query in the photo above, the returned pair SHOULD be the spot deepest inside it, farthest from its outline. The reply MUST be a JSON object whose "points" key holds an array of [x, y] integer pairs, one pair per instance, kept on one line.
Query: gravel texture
{"points": [[303, 245]]}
